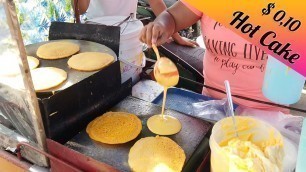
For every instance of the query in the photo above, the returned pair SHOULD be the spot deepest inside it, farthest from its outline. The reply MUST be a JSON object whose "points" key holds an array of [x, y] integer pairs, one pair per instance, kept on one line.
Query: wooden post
{"points": [[35, 118]]}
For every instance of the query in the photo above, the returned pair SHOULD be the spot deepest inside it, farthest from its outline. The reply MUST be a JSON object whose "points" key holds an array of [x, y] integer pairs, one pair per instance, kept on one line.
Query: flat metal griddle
{"points": [[192, 133], [74, 76]]}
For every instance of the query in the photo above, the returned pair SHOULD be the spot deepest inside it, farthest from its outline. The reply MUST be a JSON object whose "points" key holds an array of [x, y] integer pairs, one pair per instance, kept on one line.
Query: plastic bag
{"points": [[212, 110], [290, 126]]}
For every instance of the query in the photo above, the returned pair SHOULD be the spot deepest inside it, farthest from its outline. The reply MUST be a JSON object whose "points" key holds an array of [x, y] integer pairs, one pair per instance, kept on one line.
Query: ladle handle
{"points": [[156, 51]]}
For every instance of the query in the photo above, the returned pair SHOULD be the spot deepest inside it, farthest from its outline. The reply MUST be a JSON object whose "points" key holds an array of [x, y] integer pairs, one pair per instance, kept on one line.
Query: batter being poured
{"points": [[166, 74]]}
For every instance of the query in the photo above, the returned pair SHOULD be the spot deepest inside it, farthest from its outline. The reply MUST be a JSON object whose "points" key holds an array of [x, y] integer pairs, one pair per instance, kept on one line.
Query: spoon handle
{"points": [[230, 104], [229, 97], [156, 51]]}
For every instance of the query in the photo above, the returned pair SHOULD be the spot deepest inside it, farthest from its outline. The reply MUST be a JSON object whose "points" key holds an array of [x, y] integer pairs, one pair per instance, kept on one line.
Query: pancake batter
{"points": [[167, 75]]}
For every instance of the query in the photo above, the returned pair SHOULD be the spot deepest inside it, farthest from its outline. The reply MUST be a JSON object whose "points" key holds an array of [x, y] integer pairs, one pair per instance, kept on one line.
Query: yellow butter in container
{"points": [[258, 147]]}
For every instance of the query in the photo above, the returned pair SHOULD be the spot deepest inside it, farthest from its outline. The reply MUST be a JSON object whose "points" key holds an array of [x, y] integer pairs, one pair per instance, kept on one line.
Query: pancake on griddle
{"points": [[114, 128], [57, 50], [152, 154], [90, 61]]}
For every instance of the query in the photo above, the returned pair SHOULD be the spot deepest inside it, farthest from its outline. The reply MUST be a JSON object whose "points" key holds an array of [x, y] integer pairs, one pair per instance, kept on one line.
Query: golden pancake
{"points": [[114, 128], [164, 125], [156, 154], [9, 66], [47, 77], [33, 62], [90, 61], [57, 50]]}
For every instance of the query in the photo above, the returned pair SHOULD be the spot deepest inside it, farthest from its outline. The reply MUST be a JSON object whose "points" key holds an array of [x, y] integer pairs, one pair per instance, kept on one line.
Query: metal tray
{"points": [[189, 138], [74, 76]]}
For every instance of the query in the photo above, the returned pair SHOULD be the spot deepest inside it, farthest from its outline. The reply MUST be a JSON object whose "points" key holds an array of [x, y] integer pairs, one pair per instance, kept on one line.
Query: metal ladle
{"points": [[166, 74], [165, 71]]}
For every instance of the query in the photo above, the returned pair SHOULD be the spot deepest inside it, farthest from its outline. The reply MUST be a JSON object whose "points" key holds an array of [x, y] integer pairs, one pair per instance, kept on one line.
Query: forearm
{"points": [[182, 16], [158, 6], [82, 4], [167, 21]]}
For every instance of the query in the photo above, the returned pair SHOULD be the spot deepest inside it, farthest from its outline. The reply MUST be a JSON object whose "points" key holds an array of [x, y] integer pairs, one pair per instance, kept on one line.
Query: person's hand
{"points": [[155, 33], [184, 41]]}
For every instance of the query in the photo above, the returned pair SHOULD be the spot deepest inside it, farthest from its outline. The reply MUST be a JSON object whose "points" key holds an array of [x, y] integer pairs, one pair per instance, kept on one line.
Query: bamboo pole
{"points": [[36, 118]]}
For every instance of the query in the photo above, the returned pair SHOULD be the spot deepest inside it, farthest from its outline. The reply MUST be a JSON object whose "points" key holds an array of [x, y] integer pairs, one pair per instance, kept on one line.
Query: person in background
{"points": [[227, 57], [99, 8]]}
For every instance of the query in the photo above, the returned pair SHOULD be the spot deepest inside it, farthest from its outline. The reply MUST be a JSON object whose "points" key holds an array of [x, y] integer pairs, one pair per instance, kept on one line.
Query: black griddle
{"points": [[189, 138]]}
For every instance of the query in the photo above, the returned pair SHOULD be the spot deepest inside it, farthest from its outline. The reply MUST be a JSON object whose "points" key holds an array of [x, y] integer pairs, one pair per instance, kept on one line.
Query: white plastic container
{"points": [[262, 131], [131, 53]]}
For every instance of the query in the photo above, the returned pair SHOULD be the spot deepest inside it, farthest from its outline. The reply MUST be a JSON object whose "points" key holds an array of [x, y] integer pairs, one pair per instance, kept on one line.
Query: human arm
{"points": [[176, 18], [158, 6], [82, 4]]}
